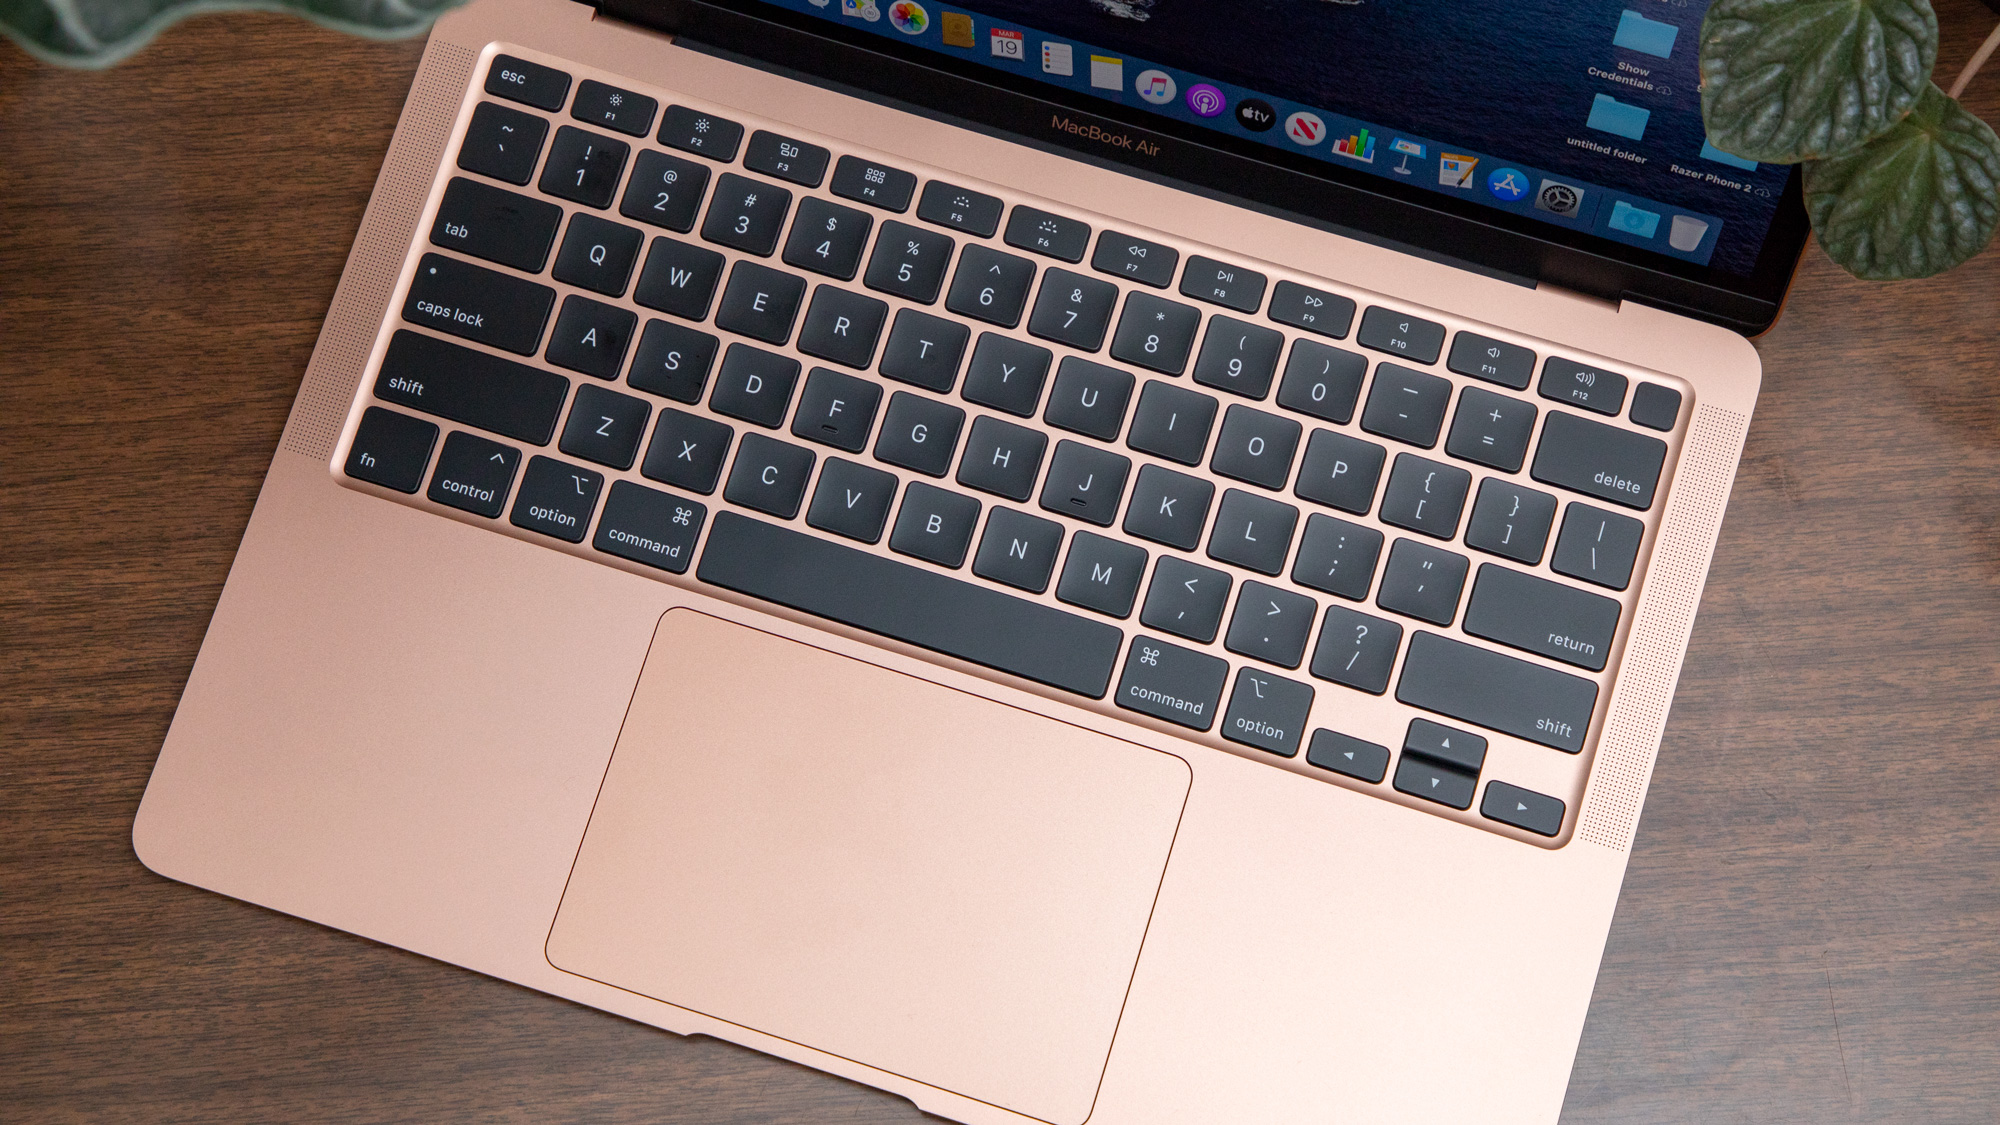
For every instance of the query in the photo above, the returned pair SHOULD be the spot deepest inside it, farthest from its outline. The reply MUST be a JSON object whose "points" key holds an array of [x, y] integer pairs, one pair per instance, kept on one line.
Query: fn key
{"points": [[391, 449]]}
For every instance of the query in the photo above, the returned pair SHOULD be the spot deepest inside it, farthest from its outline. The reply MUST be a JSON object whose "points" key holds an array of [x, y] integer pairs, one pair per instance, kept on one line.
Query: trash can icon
{"points": [[1686, 233]]}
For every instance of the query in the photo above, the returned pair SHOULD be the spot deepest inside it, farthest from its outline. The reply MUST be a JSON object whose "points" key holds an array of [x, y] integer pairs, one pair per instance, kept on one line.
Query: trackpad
{"points": [[872, 865]]}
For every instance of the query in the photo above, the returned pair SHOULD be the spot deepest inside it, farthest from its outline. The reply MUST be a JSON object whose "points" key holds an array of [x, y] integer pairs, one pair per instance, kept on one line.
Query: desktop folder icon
{"points": [[1609, 115], [1651, 37]]}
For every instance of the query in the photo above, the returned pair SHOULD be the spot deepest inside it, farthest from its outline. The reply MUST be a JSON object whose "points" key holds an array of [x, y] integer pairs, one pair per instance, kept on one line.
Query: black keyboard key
{"points": [[502, 143], [605, 427], [1220, 283], [1543, 617], [990, 286], [1256, 447], [1073, 309], [1522, 808], [837, 410], [1238, 357], [1047, 233], [1406, 405], [498, 395], [909, 262], [760, 302], [1421, 777], [1356, 649], [691, 130], [679, 278], [1002, 458], [1085, 482], [591, 337], [1599, 460], [1338, 557], [852, 500], [919, 433], [961, 209], [1253, 532], [613, 108], [1018, 549], [1271, 624], [1495, 361], [935, 525], [1322, 381], [1491, 429], [1510, 520], [769, 475], [1172, 422], [1101, 574], [1353, 757], [556, 498], [786, 159], [1498, 692], [1172, 683], [1186, 599], [1591, 388], [1423, 581], [648, 526], [1007, 374], [746, 214], [598, 254], [1169, 507], [665, 191], [1156, 333], [1425, 495], [1447, 745], [1314, 310], [391, 449], [1413, 338], [910, 604], [687, 451], [1596, 545], [828, 238], [924, 350], [754, 385], [1656, 408], [497, 225], [543, 87], [473, 474], [673, 361], [877, 185], [583, 167], [1340, 471], [1089, 398], [1147, 263], [842, 326], [1268, 712], [496, 309]]}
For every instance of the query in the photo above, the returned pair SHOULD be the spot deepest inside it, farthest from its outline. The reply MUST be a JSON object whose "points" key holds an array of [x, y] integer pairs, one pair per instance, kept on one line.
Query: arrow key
{"points": [[1340, 753], [1445, 744], [1421, 777], [1522, 808]]}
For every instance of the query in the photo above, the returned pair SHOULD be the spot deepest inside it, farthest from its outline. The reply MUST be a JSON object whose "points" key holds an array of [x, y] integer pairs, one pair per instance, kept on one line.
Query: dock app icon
{"points": [[1455, 169], [1648, 37], [1609, 115]]}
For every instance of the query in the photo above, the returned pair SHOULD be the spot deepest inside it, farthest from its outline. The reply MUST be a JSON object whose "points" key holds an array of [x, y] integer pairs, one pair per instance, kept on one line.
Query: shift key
{"points": [[477, 388], [478, 304], [497, 225]]}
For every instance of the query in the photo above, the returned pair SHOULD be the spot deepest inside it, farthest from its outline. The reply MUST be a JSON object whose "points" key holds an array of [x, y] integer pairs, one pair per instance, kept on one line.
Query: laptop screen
{"points": [[1575, 116]]}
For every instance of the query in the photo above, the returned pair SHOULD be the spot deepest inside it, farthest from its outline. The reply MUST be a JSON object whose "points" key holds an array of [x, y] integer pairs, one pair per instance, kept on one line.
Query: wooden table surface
{"points": [[1810, 931]]}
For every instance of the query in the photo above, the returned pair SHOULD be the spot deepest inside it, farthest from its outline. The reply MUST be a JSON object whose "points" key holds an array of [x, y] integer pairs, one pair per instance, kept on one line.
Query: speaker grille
{"points": [[1652, 662], [363, 295]]}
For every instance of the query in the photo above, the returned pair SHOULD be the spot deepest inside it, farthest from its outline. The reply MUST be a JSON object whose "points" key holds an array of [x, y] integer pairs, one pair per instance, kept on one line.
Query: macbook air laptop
{"points": [[1103, 560]]}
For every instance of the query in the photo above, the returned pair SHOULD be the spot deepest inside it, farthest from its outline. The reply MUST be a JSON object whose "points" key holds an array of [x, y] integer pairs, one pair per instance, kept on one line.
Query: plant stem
{"points": [[1979, 58]]}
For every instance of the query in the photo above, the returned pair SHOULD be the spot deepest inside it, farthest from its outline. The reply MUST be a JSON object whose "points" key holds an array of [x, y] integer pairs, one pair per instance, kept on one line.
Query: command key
{"points": [[1172, 683]]}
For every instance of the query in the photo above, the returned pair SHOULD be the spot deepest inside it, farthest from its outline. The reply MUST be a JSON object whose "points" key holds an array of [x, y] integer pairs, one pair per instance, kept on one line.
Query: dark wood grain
{"points": [[1810, 930]]}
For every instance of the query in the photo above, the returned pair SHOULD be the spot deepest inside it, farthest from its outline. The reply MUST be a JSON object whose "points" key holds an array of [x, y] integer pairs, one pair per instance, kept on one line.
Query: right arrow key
{"points": [[1522, 808]]}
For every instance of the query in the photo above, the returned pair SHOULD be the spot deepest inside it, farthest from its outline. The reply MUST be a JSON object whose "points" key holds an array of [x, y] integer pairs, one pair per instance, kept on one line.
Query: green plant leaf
{"points": [[101, 32], [1790, 80], [1915, 201]]}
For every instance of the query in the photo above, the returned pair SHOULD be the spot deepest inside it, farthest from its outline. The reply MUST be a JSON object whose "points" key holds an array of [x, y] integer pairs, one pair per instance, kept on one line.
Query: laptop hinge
{"points": [[1565, 293]]}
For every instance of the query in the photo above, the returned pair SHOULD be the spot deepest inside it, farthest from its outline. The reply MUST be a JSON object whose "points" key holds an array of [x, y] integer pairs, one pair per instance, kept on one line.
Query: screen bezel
{"points": [[1217, 164]]}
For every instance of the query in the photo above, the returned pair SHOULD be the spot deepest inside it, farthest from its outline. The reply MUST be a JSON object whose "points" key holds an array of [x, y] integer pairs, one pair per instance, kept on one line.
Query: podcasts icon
{"points": [[1206, 100]]}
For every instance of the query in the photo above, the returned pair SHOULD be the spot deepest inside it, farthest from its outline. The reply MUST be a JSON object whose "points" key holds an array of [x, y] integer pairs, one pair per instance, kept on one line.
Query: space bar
{"points": [[911, 604]]}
